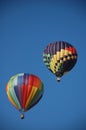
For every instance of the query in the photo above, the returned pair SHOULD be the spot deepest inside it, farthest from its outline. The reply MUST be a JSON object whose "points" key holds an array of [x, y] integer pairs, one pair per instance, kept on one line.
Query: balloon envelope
{"points": [[60, 57], [24, 91]]}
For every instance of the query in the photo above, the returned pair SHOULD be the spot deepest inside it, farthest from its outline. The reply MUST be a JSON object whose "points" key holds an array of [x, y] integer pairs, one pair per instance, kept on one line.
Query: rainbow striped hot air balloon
{"points": [[24, 91], [60, 57]]}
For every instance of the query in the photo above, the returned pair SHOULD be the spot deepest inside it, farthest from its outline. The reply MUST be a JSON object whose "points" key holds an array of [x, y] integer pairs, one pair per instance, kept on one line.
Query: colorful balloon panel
{"points": [[24, 91], [60, 57]]}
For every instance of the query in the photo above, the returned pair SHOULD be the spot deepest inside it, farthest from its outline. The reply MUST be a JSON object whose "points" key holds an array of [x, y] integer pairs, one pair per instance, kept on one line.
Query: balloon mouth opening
{"points": [[22, 116]]}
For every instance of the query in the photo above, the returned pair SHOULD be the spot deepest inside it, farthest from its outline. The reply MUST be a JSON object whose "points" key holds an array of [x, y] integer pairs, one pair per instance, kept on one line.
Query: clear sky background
{"points": [[26, 27]]}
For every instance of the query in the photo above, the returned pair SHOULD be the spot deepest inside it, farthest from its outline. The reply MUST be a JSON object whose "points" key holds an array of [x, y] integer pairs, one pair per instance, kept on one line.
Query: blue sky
{"points": [[26, 27]]}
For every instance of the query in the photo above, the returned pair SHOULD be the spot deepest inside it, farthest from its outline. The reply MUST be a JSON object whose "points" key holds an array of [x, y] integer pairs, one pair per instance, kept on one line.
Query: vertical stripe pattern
{"points": [[24, 90]]}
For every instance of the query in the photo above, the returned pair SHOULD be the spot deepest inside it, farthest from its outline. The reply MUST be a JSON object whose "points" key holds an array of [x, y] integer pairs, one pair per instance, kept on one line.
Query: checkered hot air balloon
{"points": [[24, 91], [60, 57]]}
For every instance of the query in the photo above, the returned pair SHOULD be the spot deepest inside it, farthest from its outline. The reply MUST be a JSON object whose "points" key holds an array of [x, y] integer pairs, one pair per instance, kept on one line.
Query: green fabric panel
{"points": [[11, 85], [14, 97]]}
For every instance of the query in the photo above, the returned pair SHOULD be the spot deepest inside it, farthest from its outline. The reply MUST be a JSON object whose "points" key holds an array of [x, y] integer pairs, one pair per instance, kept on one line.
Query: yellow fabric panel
{"points": [[61, 61], [70, 52], [69, 57], [52, 63], [55, 58], [64, 59], [33, 92], [52, 66], [58, 55], [9, 85], [73, 57], [62, 53], [66, 52], [57, 66]]}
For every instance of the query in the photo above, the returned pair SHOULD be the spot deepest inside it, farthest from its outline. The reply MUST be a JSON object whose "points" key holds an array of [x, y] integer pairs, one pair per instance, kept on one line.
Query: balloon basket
{"points": [[58, 79], [22, 116]]}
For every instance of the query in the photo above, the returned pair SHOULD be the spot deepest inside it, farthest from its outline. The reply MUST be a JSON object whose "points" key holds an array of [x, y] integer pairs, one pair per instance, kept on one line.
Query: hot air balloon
{"points": [[24, 91], [60, 57]]}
